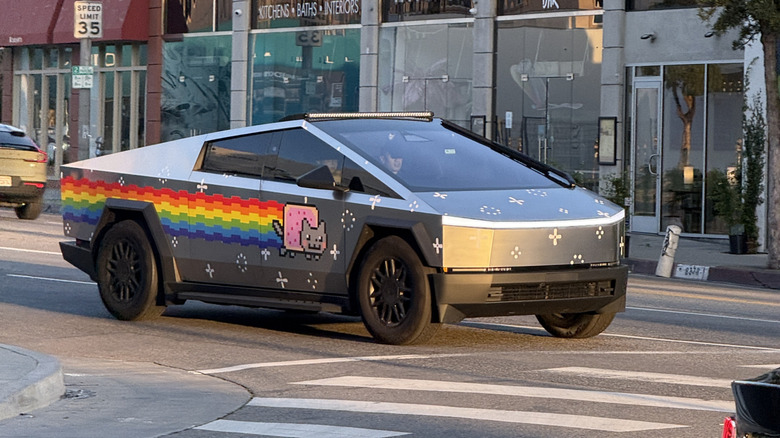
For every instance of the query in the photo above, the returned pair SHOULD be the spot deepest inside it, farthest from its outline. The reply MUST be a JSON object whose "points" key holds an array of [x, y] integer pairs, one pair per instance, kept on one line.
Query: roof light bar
{"points": [[425, 115]]}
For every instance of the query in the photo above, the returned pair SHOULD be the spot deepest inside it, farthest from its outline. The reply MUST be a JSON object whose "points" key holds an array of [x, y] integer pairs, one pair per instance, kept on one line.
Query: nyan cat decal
{"points": [[300, 232]]}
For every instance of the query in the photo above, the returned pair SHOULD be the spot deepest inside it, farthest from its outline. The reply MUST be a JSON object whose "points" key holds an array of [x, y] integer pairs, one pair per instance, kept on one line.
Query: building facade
{"points": [[638, 90]]}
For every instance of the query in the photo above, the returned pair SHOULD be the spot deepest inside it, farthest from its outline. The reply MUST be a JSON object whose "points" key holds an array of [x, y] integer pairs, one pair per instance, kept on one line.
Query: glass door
{"points": [[646, 159]]}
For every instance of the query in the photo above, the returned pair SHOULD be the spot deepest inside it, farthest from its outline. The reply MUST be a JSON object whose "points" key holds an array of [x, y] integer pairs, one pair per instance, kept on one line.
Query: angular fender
{"points": [[117, 210]]}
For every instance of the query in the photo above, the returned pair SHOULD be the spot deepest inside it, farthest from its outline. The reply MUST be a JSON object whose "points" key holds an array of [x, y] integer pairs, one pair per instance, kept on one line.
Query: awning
{"points": [[51, 22], [28, 23]]}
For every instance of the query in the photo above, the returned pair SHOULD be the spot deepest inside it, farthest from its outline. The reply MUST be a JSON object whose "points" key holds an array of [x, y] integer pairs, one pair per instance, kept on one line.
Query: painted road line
{"points": [[674, 379], [291, 430], [34, 251], [526, 391], [503, 416], [665, 292], [499, 326], [327, 360], [710, 315], [32, 277], [768, 367]]}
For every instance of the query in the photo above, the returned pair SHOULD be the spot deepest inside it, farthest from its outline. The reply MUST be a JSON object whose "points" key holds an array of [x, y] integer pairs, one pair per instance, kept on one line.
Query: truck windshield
{"points": [[427, 156]]}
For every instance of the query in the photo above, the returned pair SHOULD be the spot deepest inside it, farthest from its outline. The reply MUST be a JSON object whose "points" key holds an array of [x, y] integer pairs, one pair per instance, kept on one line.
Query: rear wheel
{"points": [[575, 325], [127, 273], [31, 210], [394, 294]]}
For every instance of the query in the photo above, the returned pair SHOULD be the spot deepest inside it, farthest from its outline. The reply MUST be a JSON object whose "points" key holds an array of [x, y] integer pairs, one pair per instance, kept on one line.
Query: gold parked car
{"points": [[22, 173]]}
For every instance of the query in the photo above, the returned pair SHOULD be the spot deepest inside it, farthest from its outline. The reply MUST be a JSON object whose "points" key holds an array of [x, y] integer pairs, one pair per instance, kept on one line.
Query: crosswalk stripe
{"points": [[526, 391], [292, 430], [504, 416], [327, 360], [676, 379]]}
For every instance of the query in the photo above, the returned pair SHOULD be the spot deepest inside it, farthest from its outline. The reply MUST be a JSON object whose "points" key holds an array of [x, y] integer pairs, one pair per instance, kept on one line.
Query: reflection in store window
{"points": [[196, 86], [427, 68], [304, 71], [550, 74], [404, 10], [683, 147], [188, 16]]}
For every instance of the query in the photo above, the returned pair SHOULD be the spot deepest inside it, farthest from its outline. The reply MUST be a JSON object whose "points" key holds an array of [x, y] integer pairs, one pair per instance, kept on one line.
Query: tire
{"points": [[30, 210], [394, 294], [127, 273], [575, 325]]}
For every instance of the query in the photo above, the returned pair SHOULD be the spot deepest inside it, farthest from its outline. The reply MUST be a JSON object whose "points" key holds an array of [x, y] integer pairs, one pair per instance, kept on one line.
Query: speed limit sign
{"points": [[88, 19]]}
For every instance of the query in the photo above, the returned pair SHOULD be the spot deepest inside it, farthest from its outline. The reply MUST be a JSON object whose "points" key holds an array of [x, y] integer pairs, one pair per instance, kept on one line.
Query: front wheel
{"points": [[394, 294], [127, 273], [575, 325]]}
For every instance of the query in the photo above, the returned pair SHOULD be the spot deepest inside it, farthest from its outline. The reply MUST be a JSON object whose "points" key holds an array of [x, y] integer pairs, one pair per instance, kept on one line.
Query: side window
{"points": [[358, 179], [301, 152], [246, 155]]}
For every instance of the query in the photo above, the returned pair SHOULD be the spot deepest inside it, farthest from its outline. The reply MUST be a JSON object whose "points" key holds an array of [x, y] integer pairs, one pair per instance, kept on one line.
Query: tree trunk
{"points": [[769, 42]]}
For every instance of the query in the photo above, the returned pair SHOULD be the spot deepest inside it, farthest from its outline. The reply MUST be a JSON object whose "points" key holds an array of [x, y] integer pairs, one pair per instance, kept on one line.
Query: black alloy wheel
{"points": [[575, 325], [127, 273], [394, 294]]}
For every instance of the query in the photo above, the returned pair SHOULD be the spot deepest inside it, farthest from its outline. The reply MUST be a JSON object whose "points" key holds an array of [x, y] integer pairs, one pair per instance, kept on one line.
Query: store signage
{"points": [[294, 13], [83, 76], [88, 19], [513, 7]]}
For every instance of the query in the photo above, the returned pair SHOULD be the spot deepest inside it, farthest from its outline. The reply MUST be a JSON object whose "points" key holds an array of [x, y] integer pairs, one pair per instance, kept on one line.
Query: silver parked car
{"points": [[406, 220]]}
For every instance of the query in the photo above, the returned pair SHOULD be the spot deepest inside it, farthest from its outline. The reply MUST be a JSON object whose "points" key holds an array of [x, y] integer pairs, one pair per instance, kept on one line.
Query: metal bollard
{"points": [[666, 261]]}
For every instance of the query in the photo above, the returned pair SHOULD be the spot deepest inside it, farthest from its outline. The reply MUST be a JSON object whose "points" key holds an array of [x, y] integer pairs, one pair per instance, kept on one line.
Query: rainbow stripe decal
{"points": [[182, 214]]}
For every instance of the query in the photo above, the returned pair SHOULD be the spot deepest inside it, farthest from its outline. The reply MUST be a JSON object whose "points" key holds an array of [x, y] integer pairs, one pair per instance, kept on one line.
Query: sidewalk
{"points": [[28, 381], [702, 259]]}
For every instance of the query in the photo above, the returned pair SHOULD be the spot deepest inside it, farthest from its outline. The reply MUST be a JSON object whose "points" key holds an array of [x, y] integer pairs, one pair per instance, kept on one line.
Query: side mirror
{"points": [[319, 178]]}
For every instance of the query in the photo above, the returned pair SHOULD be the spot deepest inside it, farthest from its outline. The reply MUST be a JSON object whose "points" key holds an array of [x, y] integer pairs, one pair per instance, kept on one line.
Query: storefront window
{"points": [[196, 86], [549, 71], [724, 137], [304, 71], [406, 10], [683, 147], [427, 67], [646, 5], [188, 16]]}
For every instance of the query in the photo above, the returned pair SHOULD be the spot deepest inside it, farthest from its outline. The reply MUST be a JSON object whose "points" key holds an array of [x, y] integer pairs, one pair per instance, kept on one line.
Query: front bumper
{"points": [[597, 290]]}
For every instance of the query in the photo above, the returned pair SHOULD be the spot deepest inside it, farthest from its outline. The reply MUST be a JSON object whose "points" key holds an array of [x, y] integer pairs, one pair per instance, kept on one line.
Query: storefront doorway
{"points": [[686, 142], [646, 155]]}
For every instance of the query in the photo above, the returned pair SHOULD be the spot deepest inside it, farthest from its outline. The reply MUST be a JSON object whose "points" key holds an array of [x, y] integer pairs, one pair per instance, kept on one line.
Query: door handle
{"points": [[650, 164]]}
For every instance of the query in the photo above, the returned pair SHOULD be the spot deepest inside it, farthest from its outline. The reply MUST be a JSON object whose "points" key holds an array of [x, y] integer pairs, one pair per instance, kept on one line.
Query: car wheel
{"points": [[31, 210], [575, 325], [394, 294], [127, 273]]}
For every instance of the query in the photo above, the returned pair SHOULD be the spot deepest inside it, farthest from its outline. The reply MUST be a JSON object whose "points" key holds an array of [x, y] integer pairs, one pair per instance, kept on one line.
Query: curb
{"points": [[744, 276], [36, 389]]}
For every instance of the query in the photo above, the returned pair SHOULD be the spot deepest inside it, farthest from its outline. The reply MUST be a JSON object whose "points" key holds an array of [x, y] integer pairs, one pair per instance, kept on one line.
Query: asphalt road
{"points": [[663, 368]]}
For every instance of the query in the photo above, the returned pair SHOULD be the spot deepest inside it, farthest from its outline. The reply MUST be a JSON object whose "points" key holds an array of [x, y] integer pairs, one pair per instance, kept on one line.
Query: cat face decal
{"points": [[300, 232]]}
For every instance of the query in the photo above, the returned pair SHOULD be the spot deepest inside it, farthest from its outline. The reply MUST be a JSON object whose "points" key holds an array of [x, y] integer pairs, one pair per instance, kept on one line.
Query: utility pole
{"points": [[87, 24]]}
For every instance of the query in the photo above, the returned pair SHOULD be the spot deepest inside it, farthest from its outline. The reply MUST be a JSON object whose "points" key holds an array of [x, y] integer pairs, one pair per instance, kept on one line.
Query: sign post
{"points": [[87, 24]]}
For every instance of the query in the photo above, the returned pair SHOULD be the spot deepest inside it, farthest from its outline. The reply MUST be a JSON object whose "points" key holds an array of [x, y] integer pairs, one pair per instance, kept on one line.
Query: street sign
{"points": [[83, 76], [88, 19]]}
